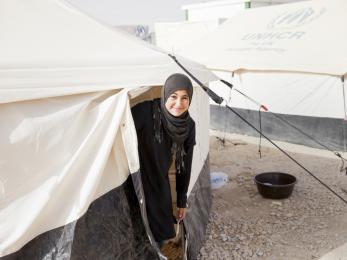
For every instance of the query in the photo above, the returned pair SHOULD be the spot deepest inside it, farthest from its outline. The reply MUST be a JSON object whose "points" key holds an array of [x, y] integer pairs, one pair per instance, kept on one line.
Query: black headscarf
{"points": [[176, 127]]}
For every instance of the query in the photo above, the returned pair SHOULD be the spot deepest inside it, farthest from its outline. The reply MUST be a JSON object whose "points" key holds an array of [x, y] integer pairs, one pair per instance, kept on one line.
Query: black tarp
{"points": [[113, 228], [199, 202], [331, 132]]}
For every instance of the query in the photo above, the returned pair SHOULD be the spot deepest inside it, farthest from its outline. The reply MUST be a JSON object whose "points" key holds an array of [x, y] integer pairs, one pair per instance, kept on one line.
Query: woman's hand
{"points": [[181, 213]]}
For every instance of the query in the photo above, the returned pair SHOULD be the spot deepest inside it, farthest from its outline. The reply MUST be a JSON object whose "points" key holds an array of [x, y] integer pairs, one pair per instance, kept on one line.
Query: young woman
{"points": [[165, 132]]}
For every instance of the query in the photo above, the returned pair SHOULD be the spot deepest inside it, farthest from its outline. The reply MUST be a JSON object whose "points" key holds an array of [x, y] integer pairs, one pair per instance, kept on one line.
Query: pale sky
{"points": [[130, 12]]}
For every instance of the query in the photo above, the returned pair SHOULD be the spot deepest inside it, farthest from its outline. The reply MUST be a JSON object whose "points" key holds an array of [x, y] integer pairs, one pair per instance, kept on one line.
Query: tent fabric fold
{"points": [[68, 149]]}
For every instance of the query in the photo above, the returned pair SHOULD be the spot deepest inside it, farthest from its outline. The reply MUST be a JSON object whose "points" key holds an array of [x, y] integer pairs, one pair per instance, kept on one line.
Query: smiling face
{"points": [[177, 103]]}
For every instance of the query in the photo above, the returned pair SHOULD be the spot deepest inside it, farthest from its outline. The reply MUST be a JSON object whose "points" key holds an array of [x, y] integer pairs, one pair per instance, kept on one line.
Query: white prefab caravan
{"points": [[214, 10]]}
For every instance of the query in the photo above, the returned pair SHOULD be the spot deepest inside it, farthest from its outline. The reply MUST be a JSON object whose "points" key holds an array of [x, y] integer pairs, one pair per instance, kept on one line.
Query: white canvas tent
{"points": [[67, 137], [299, 36], [288, 57]]}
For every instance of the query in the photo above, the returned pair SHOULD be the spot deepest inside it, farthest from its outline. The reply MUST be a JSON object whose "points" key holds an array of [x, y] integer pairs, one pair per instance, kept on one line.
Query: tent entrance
{"points": [[173, 249]]}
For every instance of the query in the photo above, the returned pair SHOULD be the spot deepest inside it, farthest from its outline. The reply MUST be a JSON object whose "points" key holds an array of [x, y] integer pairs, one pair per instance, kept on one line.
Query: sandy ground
{"points": [[244, 225]]}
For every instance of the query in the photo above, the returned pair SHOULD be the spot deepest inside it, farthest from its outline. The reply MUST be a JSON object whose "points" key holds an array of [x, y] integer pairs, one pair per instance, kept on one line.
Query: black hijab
{"points": [[176, 127]]}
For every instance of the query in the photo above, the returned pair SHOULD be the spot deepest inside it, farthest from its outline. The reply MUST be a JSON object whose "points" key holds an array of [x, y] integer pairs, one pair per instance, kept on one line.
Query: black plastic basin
{"points": [[275, 185]]}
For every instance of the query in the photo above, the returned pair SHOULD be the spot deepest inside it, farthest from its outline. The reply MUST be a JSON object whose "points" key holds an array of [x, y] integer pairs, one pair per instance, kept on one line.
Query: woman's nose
{"points": [[179, 102]]}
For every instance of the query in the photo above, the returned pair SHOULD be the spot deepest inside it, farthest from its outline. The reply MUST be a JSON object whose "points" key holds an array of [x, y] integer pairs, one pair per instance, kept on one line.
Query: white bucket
{"points": [[218, 179]]}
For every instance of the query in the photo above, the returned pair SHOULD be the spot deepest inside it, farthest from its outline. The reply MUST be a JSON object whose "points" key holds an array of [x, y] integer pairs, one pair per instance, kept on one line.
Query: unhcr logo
{"points": [[295, 18], [284, 27]]}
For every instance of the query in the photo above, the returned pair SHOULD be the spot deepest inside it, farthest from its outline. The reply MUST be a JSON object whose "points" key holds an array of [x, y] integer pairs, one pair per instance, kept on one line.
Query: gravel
{"points": [[244, 225]]}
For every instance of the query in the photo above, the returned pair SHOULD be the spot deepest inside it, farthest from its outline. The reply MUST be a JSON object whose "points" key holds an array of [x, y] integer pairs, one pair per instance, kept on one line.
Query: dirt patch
{"points": [[173, 251], [244, 225]]}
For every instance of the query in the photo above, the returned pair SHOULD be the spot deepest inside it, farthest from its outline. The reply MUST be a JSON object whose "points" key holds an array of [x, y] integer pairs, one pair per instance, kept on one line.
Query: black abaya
{"points": [[155, 161]]}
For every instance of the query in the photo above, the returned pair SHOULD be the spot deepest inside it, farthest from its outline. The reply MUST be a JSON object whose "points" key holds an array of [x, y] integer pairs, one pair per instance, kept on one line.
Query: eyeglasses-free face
{"points": [[177, 103]]}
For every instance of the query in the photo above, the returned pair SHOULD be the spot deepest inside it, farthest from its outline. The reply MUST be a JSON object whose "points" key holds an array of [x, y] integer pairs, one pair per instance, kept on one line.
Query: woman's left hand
{"points": [[181, 213]]}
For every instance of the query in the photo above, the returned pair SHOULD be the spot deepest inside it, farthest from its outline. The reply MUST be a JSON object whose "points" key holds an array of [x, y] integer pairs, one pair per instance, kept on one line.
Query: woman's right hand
{"points": [[181, 214]]}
